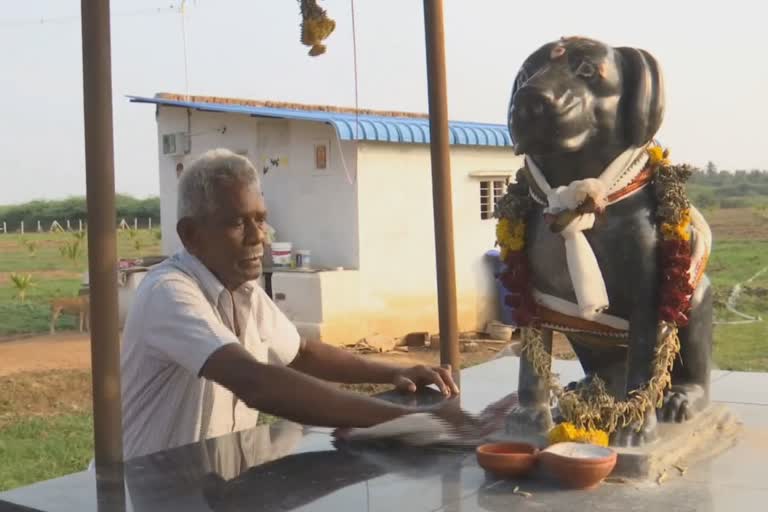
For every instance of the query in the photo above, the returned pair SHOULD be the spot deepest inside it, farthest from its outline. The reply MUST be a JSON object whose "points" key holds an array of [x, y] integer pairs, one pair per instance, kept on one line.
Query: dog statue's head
{"points": [[577, 93]]}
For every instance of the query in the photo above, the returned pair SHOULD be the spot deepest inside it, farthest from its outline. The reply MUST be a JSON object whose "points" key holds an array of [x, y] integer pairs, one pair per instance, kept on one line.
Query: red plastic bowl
{"points": [[508, 460]]}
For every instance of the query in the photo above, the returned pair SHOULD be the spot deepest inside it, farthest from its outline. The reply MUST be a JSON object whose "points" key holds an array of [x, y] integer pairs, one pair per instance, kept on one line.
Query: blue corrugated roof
{"points": [[381, 128]]}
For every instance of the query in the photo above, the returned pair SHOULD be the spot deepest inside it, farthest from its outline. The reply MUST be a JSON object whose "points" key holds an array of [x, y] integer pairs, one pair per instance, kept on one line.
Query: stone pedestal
{"points": [[679, 445]]}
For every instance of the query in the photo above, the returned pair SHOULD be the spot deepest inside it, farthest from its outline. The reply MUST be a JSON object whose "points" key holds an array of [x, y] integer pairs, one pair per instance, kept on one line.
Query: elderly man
{"points": [[204, 348]]}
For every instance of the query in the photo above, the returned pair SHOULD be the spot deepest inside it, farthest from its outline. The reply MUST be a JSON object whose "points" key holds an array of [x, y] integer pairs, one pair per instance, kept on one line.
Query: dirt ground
{"points": [[737, 224], [49, 375], [62, 351], [71, 351]]}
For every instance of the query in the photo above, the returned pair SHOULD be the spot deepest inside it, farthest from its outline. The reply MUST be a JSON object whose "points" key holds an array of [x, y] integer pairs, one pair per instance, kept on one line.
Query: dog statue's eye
{"points": [[586, 69]]}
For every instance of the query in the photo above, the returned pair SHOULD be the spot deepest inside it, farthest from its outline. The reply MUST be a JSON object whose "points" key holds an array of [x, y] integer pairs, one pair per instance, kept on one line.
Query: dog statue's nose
{"points": [[531, 103]]}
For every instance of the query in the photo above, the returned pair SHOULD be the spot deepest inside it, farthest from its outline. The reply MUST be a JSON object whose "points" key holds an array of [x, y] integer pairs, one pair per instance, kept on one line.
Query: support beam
{"points": [[102, 239], [441, 184]]}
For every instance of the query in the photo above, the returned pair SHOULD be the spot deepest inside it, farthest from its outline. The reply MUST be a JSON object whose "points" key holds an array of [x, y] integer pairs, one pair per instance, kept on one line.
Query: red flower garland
{"points": [[516, 280], [675, 289]]}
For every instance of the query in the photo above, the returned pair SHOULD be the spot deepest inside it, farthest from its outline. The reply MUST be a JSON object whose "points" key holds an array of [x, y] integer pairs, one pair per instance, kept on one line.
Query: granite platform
{"points": [[288, 467]]}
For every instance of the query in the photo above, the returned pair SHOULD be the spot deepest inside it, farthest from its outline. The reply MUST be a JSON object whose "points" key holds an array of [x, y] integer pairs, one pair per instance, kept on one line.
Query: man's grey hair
{"points": [[200, 182]]}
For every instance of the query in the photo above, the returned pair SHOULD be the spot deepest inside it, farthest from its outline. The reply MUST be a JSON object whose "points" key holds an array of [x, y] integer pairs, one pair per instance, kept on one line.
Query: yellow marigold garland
{"points": [[510, 235], [568, 432], [679, 231], [591, 413]]}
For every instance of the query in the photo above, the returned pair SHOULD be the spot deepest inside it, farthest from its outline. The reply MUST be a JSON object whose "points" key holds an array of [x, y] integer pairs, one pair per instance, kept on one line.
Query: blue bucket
{"points": [[506, 313]]}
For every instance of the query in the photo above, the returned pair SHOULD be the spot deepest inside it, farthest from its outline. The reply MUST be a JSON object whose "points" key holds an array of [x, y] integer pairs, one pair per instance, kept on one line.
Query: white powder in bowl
{"points": [[579, 450]]}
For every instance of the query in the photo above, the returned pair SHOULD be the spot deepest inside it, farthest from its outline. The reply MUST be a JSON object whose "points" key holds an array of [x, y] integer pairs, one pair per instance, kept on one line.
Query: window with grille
{"points": [[490, 192]]}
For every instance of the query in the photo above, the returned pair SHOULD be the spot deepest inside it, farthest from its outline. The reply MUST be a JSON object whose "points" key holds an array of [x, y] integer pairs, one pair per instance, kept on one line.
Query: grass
{"points": [[736, 261], [740, 346], [46, 425], [38, 448]]}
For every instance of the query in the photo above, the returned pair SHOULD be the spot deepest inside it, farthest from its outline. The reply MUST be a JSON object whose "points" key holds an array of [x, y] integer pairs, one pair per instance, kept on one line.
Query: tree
{"points": [[711, 169], [705, 199]]}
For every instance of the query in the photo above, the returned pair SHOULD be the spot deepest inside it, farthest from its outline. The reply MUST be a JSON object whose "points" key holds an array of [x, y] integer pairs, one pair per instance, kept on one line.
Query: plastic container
{"points": [[500, 331], [281, 254], [303, 258], [506, 313]]}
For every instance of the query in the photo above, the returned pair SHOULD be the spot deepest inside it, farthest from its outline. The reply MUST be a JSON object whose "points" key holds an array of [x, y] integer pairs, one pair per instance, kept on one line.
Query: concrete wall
{"points": [[397, 251], [322, 305], [370, 211], [240, 135], [313, 209]]}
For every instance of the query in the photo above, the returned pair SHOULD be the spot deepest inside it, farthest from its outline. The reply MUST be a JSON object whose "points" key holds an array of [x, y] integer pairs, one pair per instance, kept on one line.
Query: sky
{"points": [[713, 55]]}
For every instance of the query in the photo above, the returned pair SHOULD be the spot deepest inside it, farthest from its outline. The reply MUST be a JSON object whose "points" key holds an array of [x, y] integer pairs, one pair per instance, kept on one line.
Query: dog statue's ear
{"points": [[643, 96], [520, 79]]}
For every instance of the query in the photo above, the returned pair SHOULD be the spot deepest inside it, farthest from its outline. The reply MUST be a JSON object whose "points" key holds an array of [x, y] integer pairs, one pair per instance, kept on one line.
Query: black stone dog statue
{"points": [[577, 107]]}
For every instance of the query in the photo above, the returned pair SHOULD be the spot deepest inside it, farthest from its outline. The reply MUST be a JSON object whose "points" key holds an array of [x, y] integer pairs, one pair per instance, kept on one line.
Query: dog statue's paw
{"points": [[681, 403], [529, 420], [636, 434]]}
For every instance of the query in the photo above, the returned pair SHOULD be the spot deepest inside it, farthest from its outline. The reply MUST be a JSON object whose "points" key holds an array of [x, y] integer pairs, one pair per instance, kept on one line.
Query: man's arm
{"points": [[290, 394], [334, 364]]}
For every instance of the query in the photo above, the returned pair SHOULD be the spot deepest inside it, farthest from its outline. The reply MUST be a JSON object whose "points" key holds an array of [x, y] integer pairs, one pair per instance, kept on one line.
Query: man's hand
{"points": [[410, 379]]}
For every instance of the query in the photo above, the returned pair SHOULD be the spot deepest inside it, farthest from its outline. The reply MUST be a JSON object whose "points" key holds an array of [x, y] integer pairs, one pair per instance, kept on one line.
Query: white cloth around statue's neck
{"points": [[587, 279]]}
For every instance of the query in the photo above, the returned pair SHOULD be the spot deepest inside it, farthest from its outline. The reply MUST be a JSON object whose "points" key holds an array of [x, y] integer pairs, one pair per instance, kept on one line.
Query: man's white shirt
{"points": [[181, 315]]}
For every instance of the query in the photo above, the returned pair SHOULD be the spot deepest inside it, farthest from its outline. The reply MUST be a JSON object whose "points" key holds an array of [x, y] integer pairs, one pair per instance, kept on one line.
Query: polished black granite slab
{"points": [[287, 467]]}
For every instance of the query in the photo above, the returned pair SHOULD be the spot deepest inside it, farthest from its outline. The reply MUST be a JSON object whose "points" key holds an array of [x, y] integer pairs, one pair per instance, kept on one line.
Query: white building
{"points": [[354, 188]]}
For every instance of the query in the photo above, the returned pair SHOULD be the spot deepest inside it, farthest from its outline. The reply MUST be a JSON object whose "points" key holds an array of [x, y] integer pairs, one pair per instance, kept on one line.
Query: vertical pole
{"points": [[102, 244], [22, 227], [441, 184]]}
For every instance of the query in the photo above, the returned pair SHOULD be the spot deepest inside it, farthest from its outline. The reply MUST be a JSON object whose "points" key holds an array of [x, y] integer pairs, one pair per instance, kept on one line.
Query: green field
{"points": [[53, 274], [741, 346]]}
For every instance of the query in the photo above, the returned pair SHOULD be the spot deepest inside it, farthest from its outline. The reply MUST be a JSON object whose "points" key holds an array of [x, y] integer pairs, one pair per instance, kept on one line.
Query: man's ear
{"points": [[186, 228]]}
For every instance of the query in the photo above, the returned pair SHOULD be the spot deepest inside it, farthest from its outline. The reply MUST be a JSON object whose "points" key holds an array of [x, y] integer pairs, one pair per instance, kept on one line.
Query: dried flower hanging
{"points": [[315, 26]]}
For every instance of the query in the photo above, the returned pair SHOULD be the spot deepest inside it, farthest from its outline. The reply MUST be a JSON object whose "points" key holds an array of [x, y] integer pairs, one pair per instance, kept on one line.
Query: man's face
{"points": [[229, 241]]}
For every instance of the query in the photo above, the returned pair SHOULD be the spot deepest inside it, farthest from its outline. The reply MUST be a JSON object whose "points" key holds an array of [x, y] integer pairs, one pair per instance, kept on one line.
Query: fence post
{"points": [[69, 227], [22, 227], [135, 223], [5, 230], [80, 225], [149, 223], [39, 227]]}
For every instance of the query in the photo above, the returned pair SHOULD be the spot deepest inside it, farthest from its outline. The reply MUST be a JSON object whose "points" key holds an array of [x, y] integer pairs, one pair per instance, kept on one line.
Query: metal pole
{"points": [[102, 242], [441, 184]]}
